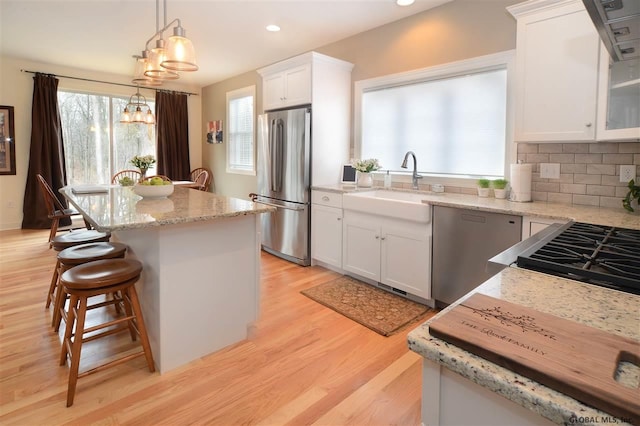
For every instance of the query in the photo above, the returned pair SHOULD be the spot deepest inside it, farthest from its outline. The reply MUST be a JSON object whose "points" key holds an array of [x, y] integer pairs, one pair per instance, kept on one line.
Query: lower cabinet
{"points": [[326, 228], [393, 252]]}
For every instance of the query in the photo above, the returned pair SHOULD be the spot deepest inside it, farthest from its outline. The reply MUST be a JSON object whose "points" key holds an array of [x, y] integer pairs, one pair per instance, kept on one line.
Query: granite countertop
{"points": [[608, 310], [587, 214], [119, 208]]}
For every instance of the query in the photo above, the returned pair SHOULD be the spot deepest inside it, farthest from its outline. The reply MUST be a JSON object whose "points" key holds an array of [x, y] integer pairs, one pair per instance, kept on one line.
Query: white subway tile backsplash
{"points": [[573, 188], [601, 169], [591, 179], [588, 158], [582, 148], [617, 158], [607, 191], [602, 147], [589, 173], [586, 200], [562, 158], [573, 168]]}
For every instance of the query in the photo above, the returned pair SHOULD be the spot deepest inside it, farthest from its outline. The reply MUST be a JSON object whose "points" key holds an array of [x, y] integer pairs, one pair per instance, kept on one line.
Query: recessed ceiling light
{"points": [[273, 28], [404, 2]]}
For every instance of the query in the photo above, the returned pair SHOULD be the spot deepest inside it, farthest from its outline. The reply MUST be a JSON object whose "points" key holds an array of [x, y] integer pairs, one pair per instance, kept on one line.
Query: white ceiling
{"points": [[229, 35]]}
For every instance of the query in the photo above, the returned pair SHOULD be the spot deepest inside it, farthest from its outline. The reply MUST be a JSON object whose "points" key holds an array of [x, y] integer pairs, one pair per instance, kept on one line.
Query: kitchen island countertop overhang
{"points": [[199, 289]]}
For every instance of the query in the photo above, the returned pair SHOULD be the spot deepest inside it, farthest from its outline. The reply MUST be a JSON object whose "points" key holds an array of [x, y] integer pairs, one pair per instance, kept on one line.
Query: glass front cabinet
{"points": [[619, 104]]}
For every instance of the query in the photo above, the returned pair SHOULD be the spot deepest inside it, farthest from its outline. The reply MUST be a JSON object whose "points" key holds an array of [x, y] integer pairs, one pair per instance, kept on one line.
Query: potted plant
{"points": [[364, 168], [500, 188], [633, 196], [483, 187]]}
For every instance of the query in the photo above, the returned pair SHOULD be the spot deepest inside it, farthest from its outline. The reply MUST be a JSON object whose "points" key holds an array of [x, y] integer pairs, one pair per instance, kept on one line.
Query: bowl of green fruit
{"points": [[153, 188]]}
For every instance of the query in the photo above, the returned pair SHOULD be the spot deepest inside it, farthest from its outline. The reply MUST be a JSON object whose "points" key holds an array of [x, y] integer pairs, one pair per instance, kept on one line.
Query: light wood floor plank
{"points": [[302, 364]]}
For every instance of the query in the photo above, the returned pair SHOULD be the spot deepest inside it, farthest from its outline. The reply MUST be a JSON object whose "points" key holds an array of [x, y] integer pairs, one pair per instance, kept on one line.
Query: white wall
{"points": [[16, 89]]}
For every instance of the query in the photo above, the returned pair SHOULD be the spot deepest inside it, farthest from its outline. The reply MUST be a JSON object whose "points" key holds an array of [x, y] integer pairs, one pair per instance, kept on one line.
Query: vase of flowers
{"points": [[364, 169], [143, 163]]}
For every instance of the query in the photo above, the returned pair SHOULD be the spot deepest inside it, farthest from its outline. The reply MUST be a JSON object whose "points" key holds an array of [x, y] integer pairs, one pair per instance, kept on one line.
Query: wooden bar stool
{"points": [[67, 240], [114, 276], [78, 255]]}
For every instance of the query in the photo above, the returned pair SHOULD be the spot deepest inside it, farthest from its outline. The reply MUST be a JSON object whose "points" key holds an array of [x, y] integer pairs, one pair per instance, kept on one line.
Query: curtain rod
{"points": [[109, 82]]}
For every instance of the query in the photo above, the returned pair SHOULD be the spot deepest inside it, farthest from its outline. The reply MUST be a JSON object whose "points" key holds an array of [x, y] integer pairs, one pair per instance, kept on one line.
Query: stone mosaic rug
{"points": [[379, 310]]}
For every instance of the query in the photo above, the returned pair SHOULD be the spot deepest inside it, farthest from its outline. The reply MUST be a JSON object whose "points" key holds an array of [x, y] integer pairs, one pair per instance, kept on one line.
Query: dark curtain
{"points": [[173, 135], [46, 155]]}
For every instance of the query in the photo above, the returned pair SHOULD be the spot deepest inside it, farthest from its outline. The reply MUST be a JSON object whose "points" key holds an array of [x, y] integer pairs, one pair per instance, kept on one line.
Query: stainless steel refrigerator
{"points": [[284, 181]]}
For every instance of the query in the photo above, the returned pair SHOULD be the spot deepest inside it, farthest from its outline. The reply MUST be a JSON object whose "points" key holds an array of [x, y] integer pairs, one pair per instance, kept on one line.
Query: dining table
{"points": [[200, 285]]}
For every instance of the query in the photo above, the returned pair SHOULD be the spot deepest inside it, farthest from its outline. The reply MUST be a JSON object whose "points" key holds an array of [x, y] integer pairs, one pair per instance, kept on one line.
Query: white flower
{"points": [[143, 161], [366, 166]]}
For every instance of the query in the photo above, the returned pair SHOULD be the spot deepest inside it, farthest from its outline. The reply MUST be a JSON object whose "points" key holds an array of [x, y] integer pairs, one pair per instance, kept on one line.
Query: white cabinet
{"points": [[533, 225], [326, 229], [325, 83], [393, 252], [619, 99], [557, 54], [287, 88]]}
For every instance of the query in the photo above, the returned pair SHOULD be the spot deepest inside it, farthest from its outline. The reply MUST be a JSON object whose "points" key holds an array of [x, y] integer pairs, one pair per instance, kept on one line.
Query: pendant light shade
{"points": [[154, 69], [138, 74], [179, 52]]}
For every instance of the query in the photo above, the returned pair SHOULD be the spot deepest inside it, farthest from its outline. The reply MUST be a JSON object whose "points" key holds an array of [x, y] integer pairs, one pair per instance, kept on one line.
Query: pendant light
{"points": [[179, 52], [139, 79], [164, 60], [137, 110]]}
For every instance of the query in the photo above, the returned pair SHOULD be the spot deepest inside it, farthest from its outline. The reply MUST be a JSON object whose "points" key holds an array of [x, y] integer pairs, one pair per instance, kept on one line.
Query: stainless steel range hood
{"points": [[618, 23]]}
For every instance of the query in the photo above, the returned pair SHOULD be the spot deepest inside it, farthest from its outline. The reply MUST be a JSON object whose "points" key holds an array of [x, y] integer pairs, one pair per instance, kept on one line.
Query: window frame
{"points": [[230, 96], [111, 120], [501, 60]]}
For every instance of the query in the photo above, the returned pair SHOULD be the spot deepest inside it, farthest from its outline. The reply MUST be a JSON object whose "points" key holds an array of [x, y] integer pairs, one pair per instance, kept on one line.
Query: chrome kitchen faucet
{"points": [[415, 176]]}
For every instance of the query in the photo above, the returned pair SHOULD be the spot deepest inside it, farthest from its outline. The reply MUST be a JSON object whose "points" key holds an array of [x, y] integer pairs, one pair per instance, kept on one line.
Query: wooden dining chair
{"points": [[164, 178], [209, 183], [55, 209], [202, 180], [134, 175]]}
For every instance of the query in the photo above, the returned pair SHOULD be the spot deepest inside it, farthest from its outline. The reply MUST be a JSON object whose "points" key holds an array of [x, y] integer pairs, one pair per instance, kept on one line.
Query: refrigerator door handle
{"points": [[280, 206], [277, 151]]}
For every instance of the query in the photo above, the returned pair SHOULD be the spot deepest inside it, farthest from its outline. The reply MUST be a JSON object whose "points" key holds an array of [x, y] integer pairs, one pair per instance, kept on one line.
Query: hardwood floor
{"points": [[303, 364]]}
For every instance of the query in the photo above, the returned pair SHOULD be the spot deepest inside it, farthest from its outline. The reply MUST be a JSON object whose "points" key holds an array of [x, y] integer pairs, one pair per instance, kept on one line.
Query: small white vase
{"points": [[483, 192], [365, 180], [500, 193]]}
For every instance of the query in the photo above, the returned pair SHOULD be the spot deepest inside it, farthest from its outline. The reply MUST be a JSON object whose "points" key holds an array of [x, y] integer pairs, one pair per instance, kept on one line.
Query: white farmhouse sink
{"points": [[396, 204]]}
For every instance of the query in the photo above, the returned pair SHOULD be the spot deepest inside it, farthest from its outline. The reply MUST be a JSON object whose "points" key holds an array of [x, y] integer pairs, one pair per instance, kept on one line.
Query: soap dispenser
{"points": [[387, 180]]}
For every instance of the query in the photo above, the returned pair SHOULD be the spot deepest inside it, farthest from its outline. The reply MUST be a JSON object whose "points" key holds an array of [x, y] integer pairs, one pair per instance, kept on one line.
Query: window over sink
{"points": [[455, 117]]}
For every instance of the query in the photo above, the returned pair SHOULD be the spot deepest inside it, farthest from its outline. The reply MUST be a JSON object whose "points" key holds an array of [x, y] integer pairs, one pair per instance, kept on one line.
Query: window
{"points": [[240, 138], [96, 144], [454, 117]]}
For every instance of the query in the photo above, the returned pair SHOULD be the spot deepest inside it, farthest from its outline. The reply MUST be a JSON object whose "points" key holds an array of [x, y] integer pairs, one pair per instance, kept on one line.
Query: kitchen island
{"points": [[494, 395], [199, 288]]}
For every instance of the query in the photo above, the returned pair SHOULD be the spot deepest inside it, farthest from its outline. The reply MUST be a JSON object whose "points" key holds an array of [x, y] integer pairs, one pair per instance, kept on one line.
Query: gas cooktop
{"points": [[600, 255]]}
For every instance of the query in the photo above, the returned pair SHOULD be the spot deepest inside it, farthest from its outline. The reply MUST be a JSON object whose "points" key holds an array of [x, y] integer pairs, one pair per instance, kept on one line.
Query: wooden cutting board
{"points": [[572, 358]]}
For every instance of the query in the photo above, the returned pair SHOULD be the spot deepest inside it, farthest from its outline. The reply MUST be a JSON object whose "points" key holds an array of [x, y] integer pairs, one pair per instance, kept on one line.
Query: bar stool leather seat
{"points": [[70, 239], [112, 276], [78, 255]]}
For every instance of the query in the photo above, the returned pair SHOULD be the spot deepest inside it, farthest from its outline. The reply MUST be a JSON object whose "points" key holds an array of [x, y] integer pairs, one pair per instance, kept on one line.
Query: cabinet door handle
{"points": [[339, 218], [325, 198], [383, 238], [588, 124], [377, 237]]}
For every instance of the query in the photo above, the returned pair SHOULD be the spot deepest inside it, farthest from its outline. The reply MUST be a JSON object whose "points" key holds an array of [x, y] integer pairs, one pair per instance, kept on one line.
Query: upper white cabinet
{"points": [[287, 88], [557, 53], [619, 102], [325, 83]]}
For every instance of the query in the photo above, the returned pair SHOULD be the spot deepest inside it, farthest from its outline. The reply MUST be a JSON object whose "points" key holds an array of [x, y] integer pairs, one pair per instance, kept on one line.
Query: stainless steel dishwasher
{"points": [[463, 241]]}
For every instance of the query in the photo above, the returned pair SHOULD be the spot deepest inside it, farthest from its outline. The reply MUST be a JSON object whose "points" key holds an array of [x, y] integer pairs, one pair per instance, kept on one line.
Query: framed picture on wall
{"points": [[7, 141]]}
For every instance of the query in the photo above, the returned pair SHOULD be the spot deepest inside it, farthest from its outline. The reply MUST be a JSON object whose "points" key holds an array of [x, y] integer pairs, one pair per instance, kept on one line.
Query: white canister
{"points": [[521, 182]]}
